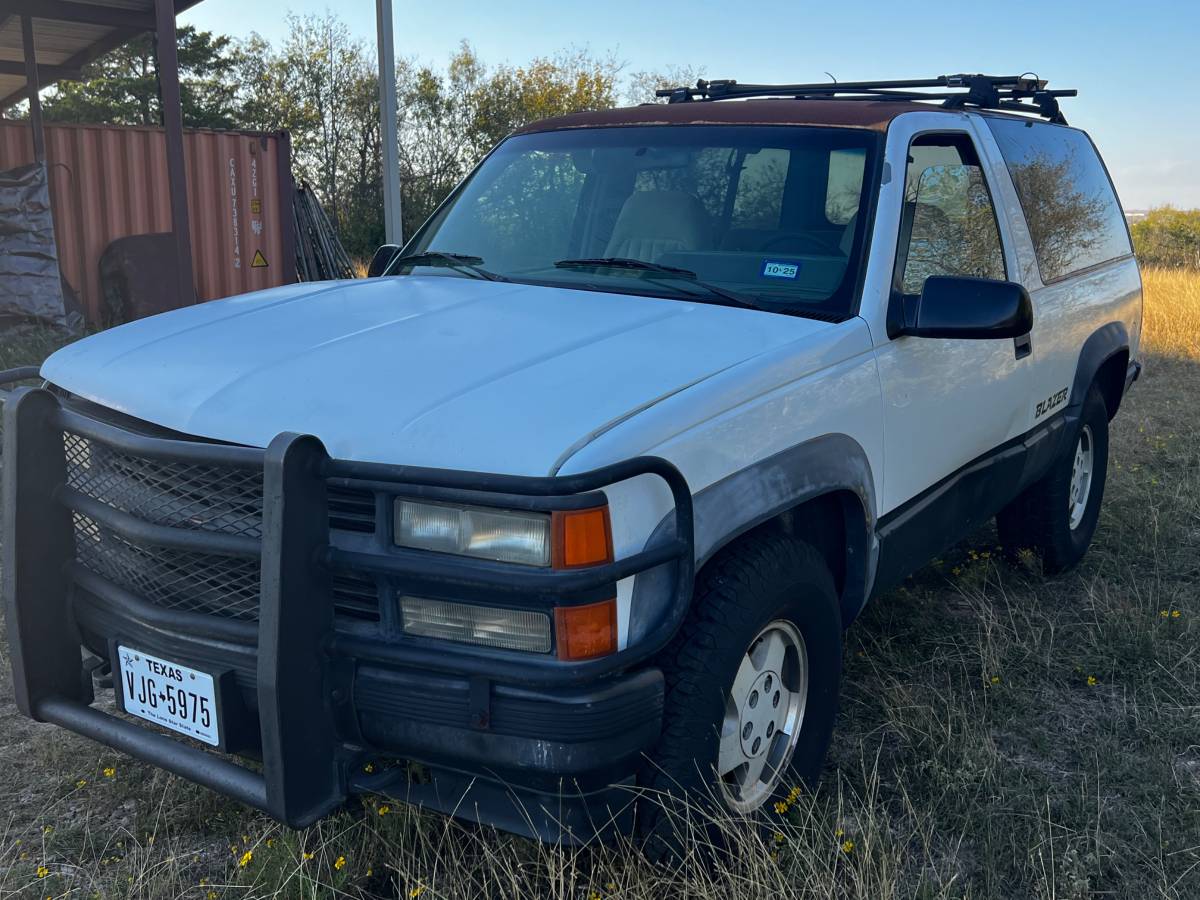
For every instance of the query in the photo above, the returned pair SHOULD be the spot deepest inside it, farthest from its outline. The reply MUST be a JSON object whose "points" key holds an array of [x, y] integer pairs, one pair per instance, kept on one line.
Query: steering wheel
{"points": [[802, 243]]}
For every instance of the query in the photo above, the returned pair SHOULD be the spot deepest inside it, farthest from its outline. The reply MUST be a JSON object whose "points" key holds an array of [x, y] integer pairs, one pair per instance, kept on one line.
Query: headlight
{"points": [[509, 629], [501, 535]]}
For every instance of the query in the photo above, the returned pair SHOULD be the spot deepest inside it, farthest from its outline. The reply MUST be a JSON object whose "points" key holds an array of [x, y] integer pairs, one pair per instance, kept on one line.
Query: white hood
{"points": [[431, 371]]}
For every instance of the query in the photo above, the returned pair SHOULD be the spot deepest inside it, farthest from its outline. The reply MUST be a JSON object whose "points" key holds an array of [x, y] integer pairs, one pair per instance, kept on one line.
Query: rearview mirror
{"points": [[382, 259], [956, 306]]}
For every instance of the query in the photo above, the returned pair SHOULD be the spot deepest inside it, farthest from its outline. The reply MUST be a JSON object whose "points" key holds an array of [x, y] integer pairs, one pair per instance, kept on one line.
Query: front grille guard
{"points": [[303, 691]]}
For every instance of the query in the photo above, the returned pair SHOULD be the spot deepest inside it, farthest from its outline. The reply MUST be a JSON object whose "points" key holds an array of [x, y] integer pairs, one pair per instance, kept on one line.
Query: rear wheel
{"points": [[752, 687], [1057, 516]]}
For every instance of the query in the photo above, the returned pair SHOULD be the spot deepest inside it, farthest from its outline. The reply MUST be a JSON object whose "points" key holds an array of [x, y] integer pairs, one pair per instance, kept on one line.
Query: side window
{"points": [[844, 185], [1069, 204], [703, 174], [759, 199], [949, 223]]}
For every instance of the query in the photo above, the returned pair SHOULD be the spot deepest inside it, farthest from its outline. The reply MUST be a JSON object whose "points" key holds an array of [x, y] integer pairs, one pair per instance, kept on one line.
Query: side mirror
{"points": [[956, 306], [382, 259]]}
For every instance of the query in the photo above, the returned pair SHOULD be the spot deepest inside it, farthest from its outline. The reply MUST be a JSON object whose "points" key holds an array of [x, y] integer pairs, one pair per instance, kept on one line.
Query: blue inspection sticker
{"points": [[775, 268]]}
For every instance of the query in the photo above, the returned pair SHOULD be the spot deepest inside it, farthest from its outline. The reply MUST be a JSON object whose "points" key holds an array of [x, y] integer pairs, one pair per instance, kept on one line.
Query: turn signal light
{"points": [[586, 632], [582, 537]]}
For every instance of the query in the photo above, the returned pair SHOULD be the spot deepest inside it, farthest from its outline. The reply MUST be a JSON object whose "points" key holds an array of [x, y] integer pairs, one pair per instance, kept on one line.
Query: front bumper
{"points": [[521, 741]]}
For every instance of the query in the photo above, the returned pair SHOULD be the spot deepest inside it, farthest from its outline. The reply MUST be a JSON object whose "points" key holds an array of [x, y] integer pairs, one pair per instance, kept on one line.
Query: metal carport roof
{"points": [[43, 41], [67, 34]]}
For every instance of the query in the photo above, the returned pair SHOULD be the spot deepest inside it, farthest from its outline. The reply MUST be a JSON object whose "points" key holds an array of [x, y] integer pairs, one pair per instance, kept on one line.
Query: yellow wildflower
{"points": [[339, 863], [957, 570], [109, 771], [611, 886], [46, 829], [417, 891], [369, 768], [595, 895], [1092, 681], [847, 846], [778, 838], [270, 842], [1174, 614], [211, 895], [838, 833], [42, 871], [781, 807], [384, 810], [995, 679], [1164, 613], [246, 858], [81, 782], [306, 856]]}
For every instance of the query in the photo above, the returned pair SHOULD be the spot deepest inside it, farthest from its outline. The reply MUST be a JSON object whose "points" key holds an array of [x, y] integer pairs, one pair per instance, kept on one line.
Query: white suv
{"points": [[580, 494]]}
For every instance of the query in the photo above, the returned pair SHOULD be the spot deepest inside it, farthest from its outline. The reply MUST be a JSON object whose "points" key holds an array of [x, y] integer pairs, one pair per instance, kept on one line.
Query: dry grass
{"points": [[1172, 312], [1002, 735]]}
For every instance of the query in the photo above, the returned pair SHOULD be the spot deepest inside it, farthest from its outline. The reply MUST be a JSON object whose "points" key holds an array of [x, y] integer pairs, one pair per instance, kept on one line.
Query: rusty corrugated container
{"points": [[108, 182]]}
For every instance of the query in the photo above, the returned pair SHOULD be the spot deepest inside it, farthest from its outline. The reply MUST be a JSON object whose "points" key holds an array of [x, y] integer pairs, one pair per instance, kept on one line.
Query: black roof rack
{"points": [[1003, 92]]}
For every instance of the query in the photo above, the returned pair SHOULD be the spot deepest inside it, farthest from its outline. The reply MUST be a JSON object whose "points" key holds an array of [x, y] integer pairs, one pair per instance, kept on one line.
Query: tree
{"points": [[642, 85], [450, 119], [513, 96], [321, 86], [1168, 237], [121, 87]]}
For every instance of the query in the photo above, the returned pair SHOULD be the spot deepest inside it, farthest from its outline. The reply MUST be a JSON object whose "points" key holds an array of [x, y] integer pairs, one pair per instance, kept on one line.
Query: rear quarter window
{"points": [[1072, 211]]}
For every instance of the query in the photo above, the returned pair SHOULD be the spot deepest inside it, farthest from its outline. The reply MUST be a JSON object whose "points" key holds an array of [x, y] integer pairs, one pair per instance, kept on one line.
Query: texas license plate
{"points": [[169, 694]]}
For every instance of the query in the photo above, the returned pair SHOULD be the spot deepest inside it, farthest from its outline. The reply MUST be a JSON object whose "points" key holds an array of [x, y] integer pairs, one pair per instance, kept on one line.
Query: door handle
{"points": [[1023, 346]]}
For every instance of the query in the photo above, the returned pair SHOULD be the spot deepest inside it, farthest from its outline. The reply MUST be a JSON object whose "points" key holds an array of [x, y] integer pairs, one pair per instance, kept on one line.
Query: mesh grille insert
{"points": [[177, 494], [173, 579], [196, 497]]}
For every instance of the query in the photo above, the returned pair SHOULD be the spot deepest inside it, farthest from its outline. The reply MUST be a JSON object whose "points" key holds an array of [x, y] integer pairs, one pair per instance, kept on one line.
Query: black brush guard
{"points": [[302, 657]]}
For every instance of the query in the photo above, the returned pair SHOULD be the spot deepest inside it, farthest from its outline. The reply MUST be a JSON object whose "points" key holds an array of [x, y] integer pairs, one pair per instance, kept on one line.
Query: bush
{"points": [[1168, 237]]}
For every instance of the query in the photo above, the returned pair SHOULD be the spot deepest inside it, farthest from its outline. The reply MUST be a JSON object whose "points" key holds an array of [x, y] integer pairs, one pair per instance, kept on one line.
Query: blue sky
{"points": [[1136, 64]]}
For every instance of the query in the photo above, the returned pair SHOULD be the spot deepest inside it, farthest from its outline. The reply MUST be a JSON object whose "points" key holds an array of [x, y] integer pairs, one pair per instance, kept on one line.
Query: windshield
{"points": [[758, 216]]}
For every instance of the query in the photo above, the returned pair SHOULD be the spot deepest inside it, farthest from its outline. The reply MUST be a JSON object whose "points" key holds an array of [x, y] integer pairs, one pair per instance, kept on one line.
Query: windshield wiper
{"points": [[728, 298], [623, 262], [462, 262]]}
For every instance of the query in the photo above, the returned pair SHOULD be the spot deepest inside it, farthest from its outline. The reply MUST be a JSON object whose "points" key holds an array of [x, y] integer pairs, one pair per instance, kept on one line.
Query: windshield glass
{"points": [[749, 215]]}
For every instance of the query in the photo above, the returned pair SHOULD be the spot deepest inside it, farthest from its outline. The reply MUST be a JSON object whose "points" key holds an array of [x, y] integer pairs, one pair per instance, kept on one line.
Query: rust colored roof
{"points": [[871, 114]]}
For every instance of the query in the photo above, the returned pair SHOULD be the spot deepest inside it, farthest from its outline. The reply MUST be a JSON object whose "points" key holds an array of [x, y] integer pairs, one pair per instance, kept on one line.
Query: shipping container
{"points": [[109, 182]]}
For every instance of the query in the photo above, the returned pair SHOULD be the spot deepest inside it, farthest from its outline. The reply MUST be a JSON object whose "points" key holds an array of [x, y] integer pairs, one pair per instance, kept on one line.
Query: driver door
{"points": [[948, 403]]}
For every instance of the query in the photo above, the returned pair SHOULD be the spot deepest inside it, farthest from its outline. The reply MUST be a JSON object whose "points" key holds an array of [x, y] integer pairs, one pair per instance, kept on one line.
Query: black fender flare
{"points": [[743, 500], [1102, 345]]}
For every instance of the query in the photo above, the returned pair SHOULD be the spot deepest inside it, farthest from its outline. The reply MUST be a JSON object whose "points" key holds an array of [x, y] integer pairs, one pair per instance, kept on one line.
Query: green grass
{"points": [[1002, 735]]}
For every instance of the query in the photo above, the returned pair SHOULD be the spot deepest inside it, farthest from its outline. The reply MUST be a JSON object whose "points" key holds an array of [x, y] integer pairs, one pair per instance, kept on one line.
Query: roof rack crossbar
{"points": [[1002, 92]]}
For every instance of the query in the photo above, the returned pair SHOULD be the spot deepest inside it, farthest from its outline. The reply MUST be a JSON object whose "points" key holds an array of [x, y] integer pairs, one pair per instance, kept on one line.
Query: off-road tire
{"points": [[758, 579], [1039, 519]]}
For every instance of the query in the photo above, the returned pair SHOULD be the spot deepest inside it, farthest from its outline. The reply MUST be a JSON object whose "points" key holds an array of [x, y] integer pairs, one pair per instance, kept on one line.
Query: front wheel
{"points": [[752, 686], [1057, 515]]}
